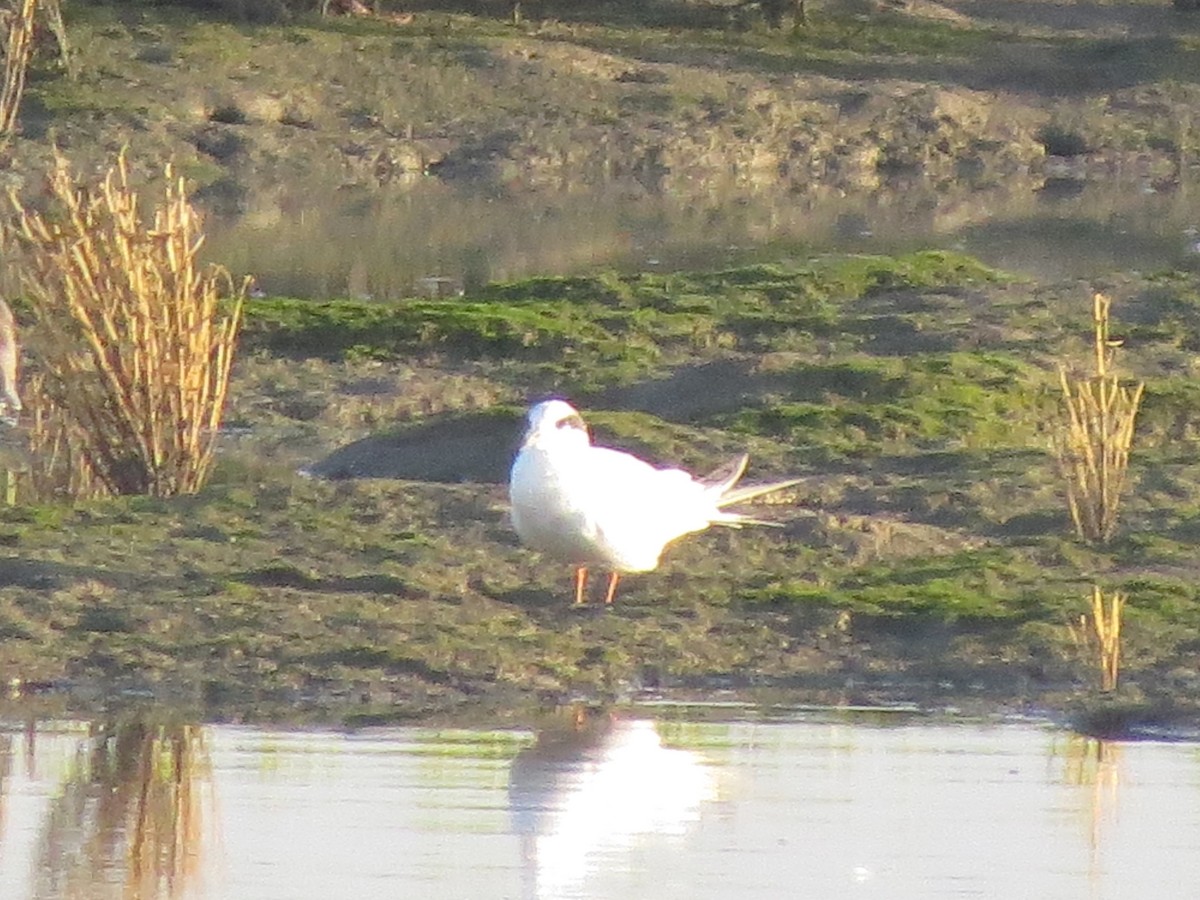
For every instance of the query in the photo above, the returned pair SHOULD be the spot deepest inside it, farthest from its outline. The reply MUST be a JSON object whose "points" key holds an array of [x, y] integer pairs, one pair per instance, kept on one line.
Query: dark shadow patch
{"points": [[213, 534], [228, 114], [691, 393], [31, 574], [277, 576], [48, 576], [223, 197], [366, 584], [1034, 524], [363, 657], [219, 142], [530, 598], [99, 619], [1061, 188], [291, 577], [478, 157], [477, 447]]}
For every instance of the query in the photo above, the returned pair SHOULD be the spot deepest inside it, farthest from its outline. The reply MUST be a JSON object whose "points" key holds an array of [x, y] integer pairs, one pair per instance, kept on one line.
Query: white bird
{"points": [[594, 506]]}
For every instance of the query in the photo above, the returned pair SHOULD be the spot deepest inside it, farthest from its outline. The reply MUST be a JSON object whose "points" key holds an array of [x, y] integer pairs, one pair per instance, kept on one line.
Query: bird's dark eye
{"points": [[572, 421]]}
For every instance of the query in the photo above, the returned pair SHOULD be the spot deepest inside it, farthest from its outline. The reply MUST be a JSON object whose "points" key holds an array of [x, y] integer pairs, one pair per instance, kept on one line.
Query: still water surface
{"points": [[596, 806], [430, 237]]}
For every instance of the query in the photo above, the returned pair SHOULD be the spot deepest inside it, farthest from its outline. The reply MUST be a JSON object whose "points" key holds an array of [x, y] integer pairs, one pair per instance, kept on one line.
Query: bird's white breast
{"points": [[548, 510], [594, 506]]}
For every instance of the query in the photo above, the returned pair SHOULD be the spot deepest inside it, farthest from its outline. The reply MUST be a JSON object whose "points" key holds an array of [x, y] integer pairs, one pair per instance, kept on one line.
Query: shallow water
{"points": [[596, 806], [430, 237]]}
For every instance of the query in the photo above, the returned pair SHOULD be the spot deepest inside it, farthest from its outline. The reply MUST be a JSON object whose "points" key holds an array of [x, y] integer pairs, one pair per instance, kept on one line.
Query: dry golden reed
{"points": [[133, 340], [18, 50], [1093, 439], [1100, 634], [18, 19]]}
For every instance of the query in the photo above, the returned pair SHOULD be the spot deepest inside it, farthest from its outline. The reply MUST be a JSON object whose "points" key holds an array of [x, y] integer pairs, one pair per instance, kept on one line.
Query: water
{"points": [[596, 806], [430, 237]]}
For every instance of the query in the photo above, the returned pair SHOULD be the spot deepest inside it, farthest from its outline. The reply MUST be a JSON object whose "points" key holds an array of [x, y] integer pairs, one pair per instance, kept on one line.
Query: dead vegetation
{"points": [[1093, 444], [19, 21], [133, 340], [1093, 439], [1099, 634]]}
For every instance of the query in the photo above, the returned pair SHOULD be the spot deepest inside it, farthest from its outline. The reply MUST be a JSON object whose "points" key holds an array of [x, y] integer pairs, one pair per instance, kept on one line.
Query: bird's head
{"points": [[554, 423]]}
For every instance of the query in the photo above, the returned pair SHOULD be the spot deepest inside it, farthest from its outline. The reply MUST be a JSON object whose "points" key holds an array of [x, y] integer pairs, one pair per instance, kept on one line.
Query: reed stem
{"points": [[1094, 436]]}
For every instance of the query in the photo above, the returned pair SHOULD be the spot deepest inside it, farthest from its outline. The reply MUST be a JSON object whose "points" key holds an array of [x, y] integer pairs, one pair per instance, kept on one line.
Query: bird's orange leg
{"points": [[613, 578], [580, 584]]}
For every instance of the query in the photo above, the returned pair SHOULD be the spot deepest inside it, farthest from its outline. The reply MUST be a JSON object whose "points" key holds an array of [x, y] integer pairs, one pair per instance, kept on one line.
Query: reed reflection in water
{"points": [[594, 807], [126, 814], [1095, 766]]}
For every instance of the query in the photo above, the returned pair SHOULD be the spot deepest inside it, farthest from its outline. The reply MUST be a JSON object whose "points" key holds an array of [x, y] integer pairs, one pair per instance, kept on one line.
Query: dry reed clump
{"points": [[1100, 633], [18, 50], [1093, 439], [18, 19], [133, 348]]}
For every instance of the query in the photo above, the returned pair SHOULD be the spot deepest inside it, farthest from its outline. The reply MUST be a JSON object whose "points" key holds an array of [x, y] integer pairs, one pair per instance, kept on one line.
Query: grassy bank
{"points": [[927, 554]]}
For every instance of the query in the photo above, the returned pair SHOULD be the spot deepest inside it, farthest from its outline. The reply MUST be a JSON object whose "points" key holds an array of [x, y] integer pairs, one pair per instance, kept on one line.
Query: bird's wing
{"points": [[638, 509], [622, 478], [634, 484], [633, 509]]}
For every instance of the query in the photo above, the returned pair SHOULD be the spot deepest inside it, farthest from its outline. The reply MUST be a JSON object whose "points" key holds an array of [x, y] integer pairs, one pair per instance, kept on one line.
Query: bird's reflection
{"points": [[126, 820], [590, 789]]}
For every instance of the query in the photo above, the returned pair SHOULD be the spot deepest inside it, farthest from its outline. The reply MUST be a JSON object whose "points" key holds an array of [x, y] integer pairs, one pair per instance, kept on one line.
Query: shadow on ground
{"points": [[479, 447]]}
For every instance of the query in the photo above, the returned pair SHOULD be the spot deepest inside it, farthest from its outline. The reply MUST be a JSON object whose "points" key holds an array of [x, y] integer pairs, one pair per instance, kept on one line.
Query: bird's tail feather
{"points": [[734, 495], [737, 520], [721, 482]]}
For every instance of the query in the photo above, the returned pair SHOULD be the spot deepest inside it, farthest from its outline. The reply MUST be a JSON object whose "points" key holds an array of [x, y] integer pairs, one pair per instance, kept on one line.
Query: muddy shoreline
{"points": [[964, 694], [847, 104], [928, 559]]}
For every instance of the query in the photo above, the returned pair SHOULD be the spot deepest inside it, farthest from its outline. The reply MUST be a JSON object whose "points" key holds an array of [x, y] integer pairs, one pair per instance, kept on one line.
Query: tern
{"points": [[599, 507]]}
